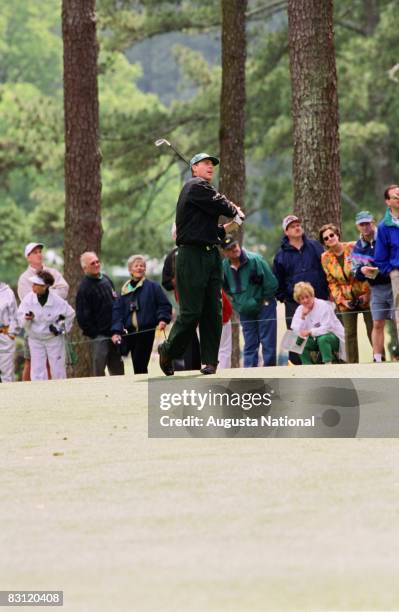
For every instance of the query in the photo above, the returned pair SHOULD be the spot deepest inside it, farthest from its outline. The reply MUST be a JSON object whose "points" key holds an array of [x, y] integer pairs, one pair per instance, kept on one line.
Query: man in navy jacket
{"points": [[298, 259]]}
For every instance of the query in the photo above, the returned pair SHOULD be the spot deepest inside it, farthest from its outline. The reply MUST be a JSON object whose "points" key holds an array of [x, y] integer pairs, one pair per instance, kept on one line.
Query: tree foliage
{"points": [[160, 76]]}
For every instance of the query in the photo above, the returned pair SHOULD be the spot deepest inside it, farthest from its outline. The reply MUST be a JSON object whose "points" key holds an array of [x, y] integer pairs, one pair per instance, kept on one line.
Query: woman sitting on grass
{"points": [[315, 320]]}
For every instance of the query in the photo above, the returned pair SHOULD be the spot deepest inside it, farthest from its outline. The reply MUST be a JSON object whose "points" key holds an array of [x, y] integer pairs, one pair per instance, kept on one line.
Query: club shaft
{"points": [[180, 155]]}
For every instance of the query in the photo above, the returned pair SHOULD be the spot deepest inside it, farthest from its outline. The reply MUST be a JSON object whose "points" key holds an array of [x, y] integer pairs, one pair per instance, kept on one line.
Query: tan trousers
{"points": [[349, 321]]}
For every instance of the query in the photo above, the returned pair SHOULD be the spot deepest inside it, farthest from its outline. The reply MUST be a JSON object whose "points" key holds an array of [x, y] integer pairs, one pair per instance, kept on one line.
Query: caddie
{"points": [[8, 329], [34, 256]]}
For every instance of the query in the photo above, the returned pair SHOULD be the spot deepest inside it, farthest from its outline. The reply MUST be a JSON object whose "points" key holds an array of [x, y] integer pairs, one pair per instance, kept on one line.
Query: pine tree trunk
{"points": [[316, 165], [82, 153], [232, 115]]}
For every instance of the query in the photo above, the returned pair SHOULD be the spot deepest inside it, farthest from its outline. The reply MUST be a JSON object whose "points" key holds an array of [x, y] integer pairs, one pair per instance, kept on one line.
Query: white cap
{"points": [[32, 245], [36, 280], [289, 219]]}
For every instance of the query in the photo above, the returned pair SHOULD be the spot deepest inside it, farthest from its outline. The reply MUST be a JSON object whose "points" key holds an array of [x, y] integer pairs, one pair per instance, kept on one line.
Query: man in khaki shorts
{"points": [[387, 245]]}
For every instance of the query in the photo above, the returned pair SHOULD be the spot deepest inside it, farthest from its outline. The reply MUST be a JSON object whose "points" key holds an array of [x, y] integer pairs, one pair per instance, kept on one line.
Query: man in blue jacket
{"points": [[298, 259], [387, 246], [251, 284]]}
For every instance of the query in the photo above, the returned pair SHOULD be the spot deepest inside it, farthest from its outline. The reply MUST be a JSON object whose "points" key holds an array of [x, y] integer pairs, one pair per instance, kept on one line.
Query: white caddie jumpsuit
{"points": [[8, 329], [43, 344]]}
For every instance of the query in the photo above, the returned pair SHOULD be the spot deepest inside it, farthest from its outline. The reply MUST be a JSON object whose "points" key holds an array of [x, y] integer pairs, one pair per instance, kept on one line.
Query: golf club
{"points": [[239, 218], [162, 141]]}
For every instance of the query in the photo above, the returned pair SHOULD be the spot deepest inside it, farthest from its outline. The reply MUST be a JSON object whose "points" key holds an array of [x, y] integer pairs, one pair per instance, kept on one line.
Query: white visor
{"points": [[36, 280]]}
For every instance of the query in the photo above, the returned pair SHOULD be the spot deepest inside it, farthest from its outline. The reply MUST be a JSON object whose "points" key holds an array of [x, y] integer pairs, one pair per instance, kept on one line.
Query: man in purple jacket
{"points": [[387, 245]]}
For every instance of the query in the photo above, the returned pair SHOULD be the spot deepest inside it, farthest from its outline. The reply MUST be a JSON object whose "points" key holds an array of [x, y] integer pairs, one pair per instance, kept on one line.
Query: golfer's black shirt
{"points": [[198, 210]]}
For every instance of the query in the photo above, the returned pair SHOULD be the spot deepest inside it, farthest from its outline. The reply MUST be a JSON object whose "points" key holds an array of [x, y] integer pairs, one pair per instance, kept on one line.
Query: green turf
{"points": [[121, 522]]}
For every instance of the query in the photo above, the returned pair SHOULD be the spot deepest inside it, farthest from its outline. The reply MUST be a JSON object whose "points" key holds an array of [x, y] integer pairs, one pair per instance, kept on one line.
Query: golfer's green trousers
{"points": [[199, 283]]}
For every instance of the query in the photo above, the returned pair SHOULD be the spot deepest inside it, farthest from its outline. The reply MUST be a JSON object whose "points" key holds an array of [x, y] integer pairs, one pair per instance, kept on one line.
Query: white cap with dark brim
{"points": [[32, 245], [288, 220], [36, 280]]}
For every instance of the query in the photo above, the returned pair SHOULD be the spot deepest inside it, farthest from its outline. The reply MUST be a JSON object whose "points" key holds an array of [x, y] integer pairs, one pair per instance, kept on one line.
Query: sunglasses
{"points": [[325, 238]]}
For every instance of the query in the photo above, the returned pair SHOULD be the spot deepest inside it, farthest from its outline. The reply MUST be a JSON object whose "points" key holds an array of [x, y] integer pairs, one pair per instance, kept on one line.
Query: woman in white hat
{"points": [[46, 317]]}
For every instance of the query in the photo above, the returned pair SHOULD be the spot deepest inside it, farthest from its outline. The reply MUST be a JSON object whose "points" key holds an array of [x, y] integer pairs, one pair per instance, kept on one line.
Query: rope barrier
{"points": [[137, 332]]}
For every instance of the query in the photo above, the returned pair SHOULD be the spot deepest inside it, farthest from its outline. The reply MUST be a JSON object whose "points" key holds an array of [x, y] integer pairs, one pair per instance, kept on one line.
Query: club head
{"points": [[161, 141]]}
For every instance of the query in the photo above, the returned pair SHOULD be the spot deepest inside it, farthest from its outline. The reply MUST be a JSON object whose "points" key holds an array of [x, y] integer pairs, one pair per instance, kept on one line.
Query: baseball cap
{"points": [[32, 245], [36, 280], [200, 156], [364, 216], [289, 219], [228, 242]]}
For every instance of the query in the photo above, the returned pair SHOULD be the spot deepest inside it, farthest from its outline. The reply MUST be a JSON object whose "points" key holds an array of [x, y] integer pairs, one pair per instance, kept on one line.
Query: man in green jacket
{"points": [[252, 285]]}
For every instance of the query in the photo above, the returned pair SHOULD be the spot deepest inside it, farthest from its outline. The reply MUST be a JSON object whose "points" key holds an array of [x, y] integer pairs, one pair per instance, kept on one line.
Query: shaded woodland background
{"points": [[159, 75]]}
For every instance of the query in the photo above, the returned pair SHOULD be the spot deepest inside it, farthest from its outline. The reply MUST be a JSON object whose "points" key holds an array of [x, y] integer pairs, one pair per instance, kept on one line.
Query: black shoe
{"points": [[208, 369], [165, 363]]}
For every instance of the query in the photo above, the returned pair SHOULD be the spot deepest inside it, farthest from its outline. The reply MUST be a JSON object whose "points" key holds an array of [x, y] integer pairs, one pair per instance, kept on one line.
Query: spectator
{"points": [[95, 297], [46, 317], [34, 256], [141, 308], [315, 321], [387, 246], [298, 259], [350, 295], [364, 269], [251, 284], [8, 330], [226, 341]]}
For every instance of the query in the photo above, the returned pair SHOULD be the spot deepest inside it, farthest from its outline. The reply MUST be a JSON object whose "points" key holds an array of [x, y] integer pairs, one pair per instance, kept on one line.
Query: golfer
{"points": [[199, 266]]}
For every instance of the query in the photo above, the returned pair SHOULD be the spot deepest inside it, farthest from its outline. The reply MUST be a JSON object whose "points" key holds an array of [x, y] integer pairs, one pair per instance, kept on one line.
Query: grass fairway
{"points": [[120, 522]]}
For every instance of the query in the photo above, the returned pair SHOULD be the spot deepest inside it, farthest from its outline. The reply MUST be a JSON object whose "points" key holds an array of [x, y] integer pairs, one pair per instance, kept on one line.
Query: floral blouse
{"points": [[341, 282]]}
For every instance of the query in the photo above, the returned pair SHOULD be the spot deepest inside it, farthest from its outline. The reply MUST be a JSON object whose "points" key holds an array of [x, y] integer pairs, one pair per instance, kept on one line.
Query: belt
{"points": [[205, 247]]}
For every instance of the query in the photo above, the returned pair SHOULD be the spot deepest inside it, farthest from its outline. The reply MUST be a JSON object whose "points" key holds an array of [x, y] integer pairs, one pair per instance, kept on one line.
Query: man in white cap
{"points": [[34, 256], [298, 259]]}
